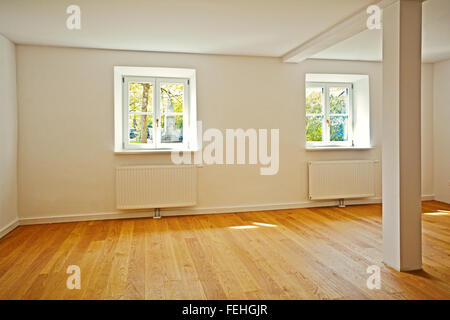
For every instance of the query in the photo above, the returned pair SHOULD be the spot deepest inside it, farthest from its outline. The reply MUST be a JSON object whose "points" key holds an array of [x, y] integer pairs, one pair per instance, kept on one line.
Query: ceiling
{"points": [[236, 27], [241, 27], [367, 45]]}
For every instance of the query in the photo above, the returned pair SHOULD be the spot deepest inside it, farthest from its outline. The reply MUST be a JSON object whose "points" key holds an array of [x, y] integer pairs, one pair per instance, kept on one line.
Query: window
{"points": [[154, 113], [328, 120]]}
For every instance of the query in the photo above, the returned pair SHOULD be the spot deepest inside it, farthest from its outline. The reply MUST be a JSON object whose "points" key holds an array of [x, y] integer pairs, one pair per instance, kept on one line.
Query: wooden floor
{"points": [[319, 253]]}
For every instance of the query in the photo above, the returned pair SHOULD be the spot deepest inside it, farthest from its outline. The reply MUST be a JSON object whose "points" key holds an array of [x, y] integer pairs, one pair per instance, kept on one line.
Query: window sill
{"points": [[337, 148], [150, 151]]}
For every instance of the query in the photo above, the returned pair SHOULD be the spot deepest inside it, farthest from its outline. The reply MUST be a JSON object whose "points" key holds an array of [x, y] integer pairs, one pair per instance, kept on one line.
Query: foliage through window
{"points": [[328, 118], [156, 112]]}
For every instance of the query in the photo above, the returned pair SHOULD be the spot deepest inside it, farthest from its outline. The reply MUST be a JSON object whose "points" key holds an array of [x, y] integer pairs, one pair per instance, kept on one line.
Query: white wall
{"points": [[8, 135], [441, 115], [66, 159]]}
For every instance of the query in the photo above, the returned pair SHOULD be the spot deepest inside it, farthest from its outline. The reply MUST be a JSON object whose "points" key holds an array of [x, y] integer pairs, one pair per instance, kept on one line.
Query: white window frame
{"points": [[155, 76], [326, 115], [125, 125]]}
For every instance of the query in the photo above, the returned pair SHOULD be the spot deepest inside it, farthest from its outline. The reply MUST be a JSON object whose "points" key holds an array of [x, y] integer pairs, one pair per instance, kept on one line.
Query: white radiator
{"points": [[158, 186], [341, 179]]}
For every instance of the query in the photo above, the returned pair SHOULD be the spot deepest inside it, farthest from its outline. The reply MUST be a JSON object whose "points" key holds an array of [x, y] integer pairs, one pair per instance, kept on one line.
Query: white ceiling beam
{"points": [[339, 32]]}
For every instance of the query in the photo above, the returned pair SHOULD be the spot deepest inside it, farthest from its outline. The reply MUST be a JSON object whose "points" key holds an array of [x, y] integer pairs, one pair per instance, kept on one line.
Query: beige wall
{"points": [[441, 84], [66, 159], [8, 135], [427, 129]]}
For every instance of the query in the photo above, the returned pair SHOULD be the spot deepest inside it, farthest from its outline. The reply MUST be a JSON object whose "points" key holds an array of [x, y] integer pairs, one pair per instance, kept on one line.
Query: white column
{"points": [[402, 229]]}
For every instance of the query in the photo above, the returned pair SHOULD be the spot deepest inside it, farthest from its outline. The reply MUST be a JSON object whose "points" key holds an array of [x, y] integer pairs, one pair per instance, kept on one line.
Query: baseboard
{"points": [[410, 268], [399, 268], [8, 228], [441, 200], [88, 217], [188, 211], [275, 206], [197, 210], [262, 207]]}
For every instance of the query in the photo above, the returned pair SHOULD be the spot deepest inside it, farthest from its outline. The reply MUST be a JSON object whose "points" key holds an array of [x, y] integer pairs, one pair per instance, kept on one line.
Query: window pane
{"points": [[338, 100], [172, 129], [140, 128], [172, 97], [140, 97], [314, 128], [314, 100], [338, 128]]}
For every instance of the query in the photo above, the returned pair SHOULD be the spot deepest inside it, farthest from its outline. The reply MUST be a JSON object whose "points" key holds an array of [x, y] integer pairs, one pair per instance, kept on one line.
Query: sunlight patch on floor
{"points": [[243, 227], [438, 213], [265, 224], [254, 225]]}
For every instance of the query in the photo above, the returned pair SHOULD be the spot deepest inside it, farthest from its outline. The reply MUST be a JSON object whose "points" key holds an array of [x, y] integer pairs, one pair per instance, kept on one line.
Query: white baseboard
{"points": [[188, 211], [196, 211], [8, 228], [262, 207], [88, 217]]}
